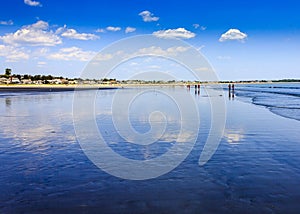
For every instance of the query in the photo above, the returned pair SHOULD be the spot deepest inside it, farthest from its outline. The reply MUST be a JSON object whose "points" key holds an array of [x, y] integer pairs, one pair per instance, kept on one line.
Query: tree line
{"points": [[8, 74]]}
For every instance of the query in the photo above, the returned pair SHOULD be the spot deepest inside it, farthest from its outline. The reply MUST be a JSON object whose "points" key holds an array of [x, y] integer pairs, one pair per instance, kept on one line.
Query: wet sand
{"points": [[53, 88], [256, 168]]}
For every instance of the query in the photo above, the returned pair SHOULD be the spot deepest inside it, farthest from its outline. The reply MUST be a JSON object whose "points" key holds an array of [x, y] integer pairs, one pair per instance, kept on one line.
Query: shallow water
{"points": [[281, 99], [43, 168]]}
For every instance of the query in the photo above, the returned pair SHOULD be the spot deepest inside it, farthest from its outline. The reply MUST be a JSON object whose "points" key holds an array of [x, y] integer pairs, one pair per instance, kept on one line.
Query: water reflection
{"points": [[141, 129], [234, 136], [41, 166], [33, 120], [8, 102], [231, 91]]}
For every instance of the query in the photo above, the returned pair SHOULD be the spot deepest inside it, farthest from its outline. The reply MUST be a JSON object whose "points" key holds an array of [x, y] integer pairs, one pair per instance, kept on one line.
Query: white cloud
{"points": [[9, 22], [40, 52], [109, 56], [37, 34], [130, 29], [114, 29], [73, 34], [151, 50], [61, 29], [41, 64], [155, 50], [103, 57], [203, 28], [233, 34], [100, 30], [32, 3], [148, 16], [40, 25], [201, 69], [174, 33], [72, 53], [196, 26], [13, 54]]}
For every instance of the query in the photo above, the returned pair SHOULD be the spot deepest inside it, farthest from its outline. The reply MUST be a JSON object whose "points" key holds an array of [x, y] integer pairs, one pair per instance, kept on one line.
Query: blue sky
{"points": [[241, 39]]}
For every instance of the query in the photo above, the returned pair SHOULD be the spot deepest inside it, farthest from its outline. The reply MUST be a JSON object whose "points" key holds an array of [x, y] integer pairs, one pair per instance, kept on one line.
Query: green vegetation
{"points": [[7, 72]]}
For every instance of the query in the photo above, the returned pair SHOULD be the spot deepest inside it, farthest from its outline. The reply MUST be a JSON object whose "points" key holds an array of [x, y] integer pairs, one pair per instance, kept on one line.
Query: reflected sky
{"points": [[43, 167], [234, 136], [159, 121], [33, 119]]}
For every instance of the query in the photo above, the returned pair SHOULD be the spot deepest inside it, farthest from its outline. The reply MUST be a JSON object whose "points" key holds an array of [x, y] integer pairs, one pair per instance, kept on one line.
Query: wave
{"points": [[274, 92], [284, 87], [282, 100]]}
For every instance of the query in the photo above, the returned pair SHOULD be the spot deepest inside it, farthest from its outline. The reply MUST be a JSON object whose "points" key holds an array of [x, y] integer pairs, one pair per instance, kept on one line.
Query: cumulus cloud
{"points": [[72, 53], [73, 34], [13, 54], [103, 57], [9, 22], [151, 50], [233, 34], [148, 16], [33, 3], [40, 52], [40, 25], [61, 29], [114, 29], [37, 34], [156, 50], [100, 30], [130, 29], [180, 33]]}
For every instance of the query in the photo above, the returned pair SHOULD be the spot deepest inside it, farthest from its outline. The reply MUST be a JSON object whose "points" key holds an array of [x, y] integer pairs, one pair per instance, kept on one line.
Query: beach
{"points": [[52, 88], [255, 169]]}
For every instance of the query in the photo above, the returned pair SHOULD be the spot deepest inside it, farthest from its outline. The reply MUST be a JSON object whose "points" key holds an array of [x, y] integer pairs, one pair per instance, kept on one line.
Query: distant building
{"points": [[4, 80], [64, 81], [14, 80], [26, 81], [38, 82], [73, 82], [89, 82], [55, 81]]}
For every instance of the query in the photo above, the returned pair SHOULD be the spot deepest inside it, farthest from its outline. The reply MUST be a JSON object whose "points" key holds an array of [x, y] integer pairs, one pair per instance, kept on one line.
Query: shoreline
{"points": [[53, 88], [62, 87]]}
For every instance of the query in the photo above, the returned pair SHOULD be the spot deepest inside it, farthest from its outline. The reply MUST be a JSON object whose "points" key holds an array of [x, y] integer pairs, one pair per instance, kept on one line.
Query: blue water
{"points": [[256, 168], [281, 99]]}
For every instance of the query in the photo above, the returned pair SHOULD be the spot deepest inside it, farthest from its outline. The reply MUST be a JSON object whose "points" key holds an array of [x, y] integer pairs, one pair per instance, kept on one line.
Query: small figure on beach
{"points": [[230, 91]]}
